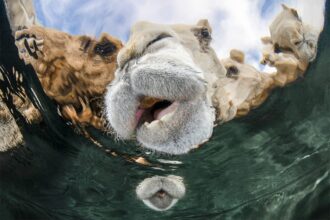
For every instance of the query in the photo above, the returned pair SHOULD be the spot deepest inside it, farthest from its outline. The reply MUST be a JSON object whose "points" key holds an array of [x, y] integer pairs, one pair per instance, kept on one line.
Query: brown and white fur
{"points": [[73, 70]]}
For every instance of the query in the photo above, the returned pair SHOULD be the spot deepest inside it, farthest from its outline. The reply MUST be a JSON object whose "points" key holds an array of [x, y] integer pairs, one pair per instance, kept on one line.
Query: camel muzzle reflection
{"points": [[161, 193]]}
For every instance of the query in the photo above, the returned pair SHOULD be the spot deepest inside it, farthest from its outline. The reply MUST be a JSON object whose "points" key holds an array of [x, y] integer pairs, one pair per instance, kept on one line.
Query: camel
{"points": [[170, 88], [73, 70], [289, 33], [291, 46], [244, 88]]}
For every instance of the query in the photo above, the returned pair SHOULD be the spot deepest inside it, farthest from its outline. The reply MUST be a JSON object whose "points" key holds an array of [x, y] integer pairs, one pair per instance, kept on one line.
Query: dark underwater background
{"points": [[272, 164]]}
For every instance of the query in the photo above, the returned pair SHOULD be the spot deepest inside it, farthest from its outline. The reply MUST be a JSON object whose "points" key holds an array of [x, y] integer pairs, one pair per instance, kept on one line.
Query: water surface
{"points": [[272, 164]]}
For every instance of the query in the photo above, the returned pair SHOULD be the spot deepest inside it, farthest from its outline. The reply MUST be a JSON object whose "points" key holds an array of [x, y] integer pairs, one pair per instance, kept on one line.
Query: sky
{"points": [[236, 24]]}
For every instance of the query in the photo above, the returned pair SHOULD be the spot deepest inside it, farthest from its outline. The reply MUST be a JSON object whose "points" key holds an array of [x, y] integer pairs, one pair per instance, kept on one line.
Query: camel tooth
{"points": [[20, 44], [153, 124], [18, 34], [40, 48], [39, 42], [166, 117]]}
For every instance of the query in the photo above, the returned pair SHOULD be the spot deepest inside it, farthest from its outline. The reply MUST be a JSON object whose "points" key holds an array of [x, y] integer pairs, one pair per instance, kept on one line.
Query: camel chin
{"points": [[161, 89]]}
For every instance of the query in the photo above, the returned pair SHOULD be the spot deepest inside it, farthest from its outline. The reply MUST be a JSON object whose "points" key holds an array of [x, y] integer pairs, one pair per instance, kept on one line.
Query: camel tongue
{"points": [[148, 102], [159, 113], [138, 115]]}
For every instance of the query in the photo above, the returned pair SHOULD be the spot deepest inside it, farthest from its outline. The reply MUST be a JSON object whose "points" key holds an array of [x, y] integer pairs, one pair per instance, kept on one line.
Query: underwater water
{"points": [[272, 164]]}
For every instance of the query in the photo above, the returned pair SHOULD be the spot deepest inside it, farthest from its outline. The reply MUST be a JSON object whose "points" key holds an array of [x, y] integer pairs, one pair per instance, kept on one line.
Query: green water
{"points": [[273, 164]]}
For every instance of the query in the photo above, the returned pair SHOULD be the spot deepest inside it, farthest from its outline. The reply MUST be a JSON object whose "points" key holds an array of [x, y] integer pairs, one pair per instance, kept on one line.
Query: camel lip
{"points": [[160, 110]]}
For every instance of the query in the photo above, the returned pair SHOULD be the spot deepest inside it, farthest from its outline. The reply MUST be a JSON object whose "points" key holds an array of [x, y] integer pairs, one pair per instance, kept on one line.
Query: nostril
{"points": [[158, 38], [21, 27], [205, 33], [277, 48], [310, 44], [297, 43], [104, 48]]}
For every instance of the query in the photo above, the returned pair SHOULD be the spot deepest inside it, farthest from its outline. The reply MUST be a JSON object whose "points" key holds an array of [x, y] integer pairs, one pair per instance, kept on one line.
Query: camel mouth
{"points": [[152, 110], [159, 97]]}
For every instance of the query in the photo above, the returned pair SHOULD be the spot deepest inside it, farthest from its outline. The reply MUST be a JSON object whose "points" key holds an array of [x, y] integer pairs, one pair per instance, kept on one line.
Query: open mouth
{"points": [[152, 110]]}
